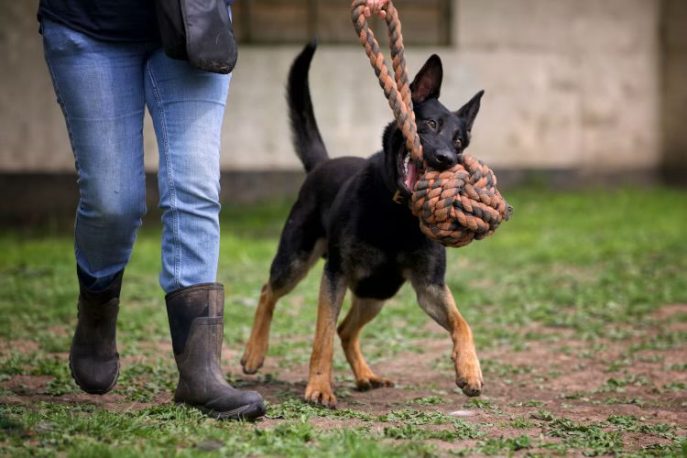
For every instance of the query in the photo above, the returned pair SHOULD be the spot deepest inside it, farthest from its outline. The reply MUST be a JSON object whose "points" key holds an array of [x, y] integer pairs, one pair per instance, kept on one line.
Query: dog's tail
{"points": [[305, 134]]}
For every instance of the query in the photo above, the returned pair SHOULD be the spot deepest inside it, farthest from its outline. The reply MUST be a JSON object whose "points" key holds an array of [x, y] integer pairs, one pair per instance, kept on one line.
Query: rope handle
{"points": [[396, 87]]}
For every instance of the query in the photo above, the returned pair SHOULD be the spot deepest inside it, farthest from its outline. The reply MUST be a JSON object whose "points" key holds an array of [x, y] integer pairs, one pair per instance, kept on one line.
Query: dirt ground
{"points": [[563, 377]]}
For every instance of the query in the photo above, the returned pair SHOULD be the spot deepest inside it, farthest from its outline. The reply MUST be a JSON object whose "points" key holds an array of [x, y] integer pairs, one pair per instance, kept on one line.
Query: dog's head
{"points": [[444, 134]]}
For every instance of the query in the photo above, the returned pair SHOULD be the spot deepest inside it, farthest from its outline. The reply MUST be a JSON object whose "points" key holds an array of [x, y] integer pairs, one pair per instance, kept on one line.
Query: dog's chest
{"points": [[371, 272]]}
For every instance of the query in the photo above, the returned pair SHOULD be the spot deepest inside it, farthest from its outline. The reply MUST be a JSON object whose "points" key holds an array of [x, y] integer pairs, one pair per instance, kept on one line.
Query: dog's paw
{"points": [[371, 382], [251, 362], [320, 393], [469, 374]]}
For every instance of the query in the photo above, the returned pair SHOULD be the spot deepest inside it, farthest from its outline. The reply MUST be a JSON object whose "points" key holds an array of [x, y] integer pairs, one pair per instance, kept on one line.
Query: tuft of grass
{"points": [[428, 400], [417, 417], [457, 431], [297, 409], [592, 439], [499, 445]]}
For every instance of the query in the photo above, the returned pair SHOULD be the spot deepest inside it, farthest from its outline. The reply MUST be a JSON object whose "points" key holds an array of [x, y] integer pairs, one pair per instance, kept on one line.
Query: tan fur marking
{"points": [[256, 348], [258, 343], [362, 312], [319, 389], [439, 304]]}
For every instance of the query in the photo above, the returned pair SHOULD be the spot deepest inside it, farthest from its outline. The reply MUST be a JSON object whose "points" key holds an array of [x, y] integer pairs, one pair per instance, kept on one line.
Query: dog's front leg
{"points": [[332, 292], [437, 301]]}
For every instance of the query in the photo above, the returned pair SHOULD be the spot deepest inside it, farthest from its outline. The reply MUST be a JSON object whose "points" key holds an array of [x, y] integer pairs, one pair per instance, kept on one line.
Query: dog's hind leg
{"points": [[300, 247], [437, 301], [362, 312], [281, 283], [256, 348], [332, 292]]}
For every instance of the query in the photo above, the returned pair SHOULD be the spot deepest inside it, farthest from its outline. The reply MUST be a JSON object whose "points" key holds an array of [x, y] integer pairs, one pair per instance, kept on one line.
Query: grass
{"points": [[580, 272]]}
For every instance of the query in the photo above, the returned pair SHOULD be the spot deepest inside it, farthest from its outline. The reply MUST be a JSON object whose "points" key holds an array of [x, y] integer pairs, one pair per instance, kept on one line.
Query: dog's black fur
{"points": [[346, 211], [349, 201]]}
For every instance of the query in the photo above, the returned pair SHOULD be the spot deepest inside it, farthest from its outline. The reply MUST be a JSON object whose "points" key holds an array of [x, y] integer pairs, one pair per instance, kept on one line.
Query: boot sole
{"points": [[250, 412], [100, 391]]}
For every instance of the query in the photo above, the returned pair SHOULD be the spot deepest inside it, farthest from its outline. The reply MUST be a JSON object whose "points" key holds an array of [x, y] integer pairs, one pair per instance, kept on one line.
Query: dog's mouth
{"points": [[409, 171]]}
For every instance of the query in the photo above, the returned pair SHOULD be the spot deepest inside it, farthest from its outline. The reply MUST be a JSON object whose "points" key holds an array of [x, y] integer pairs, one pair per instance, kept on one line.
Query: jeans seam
{"points": [[60, 100], [164, 155]]}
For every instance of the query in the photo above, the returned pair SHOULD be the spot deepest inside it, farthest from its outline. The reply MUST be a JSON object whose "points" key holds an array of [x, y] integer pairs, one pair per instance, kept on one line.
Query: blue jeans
{"points": [[103, 89]]}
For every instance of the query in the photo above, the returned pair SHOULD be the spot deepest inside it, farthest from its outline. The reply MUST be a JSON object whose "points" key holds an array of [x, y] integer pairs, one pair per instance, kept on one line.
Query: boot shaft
{"points": [[110, 292], [193, 307], [97, 316]]}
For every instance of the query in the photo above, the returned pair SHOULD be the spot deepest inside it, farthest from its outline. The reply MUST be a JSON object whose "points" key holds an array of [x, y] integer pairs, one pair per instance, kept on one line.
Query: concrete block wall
{"points": [[570, 85]]}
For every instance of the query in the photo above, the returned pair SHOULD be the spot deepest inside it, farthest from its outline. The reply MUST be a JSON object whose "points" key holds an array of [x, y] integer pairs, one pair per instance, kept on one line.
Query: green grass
{"points": [[594, 265]]}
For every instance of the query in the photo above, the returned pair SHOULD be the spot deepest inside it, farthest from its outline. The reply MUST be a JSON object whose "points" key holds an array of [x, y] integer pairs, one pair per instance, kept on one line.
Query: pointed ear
{"points": [[469, 111], [427, 82]]}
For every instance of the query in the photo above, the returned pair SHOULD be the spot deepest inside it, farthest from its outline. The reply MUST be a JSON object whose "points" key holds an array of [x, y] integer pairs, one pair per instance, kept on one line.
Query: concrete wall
{"points": [[570, 84]]}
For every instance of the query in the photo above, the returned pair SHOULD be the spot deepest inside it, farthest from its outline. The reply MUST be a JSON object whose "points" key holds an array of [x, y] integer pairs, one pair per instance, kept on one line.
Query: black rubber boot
{"points": [[197, 326], [93, 357]]}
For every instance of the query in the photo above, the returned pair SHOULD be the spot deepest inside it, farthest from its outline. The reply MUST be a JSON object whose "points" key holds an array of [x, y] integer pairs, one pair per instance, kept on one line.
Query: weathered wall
{"points": [[570, 84], [574, 83], [32, 132]]}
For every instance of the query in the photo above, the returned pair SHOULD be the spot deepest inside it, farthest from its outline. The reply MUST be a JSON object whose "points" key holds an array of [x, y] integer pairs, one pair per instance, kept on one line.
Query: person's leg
{"points": [[100, 89], [187, 107], [99, 86]]}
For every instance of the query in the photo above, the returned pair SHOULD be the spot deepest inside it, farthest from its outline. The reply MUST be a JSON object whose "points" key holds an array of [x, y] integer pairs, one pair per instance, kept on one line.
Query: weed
{"points": [[428, 401], [457, 431], [521, 423], [416, 417], [496, 446], [675, 386], [619, 385], [590, 438]]}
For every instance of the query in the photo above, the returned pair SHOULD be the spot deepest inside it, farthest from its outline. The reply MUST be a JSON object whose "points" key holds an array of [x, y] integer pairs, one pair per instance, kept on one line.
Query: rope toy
{"points": [[460, 204], [455, 206]]}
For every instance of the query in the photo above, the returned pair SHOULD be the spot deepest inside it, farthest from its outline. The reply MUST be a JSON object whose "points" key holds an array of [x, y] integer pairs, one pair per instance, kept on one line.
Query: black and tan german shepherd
{"points": [[346, 213]]}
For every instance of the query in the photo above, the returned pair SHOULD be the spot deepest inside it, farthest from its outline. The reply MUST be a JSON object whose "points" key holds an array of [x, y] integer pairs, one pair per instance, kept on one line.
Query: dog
{"points": [[346, 213]]}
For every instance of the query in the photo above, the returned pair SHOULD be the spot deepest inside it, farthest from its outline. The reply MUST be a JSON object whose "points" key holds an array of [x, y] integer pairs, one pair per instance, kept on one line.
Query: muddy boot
{"points": [[197, 326], [93, 357]]}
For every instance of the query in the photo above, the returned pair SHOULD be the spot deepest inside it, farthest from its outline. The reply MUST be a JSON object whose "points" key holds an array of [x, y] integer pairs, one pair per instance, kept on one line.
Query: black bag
{"points": [[199, 31]]}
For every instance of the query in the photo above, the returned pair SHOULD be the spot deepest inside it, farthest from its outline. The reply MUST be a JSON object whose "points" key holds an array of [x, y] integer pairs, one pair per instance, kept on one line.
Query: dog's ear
{"points": [[427, 82], [469, 111]]}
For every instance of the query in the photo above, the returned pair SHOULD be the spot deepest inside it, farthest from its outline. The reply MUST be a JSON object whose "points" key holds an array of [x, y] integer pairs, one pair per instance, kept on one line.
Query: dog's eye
{"points": [[432, 124], [458, 143]]}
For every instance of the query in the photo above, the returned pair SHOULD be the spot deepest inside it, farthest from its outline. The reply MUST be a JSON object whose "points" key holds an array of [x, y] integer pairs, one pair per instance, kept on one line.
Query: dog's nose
{"points": [[446, 158]]}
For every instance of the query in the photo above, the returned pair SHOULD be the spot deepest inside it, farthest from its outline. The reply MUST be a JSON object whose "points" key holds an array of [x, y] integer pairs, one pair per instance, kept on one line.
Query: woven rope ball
{"points": [[460, 204]]}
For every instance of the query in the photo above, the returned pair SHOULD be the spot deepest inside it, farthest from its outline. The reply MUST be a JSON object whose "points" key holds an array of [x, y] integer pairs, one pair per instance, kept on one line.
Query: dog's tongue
{"points": [[411, 177]]}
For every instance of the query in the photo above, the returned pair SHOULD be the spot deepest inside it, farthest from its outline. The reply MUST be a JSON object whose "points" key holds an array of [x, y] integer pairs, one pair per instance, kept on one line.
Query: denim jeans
{"points": [[103, 89]]}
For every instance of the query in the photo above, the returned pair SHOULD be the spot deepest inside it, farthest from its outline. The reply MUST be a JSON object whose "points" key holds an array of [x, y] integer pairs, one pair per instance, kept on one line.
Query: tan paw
{"points": [[371, 382], [469, 374], [252, 360], [320, 393]]}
